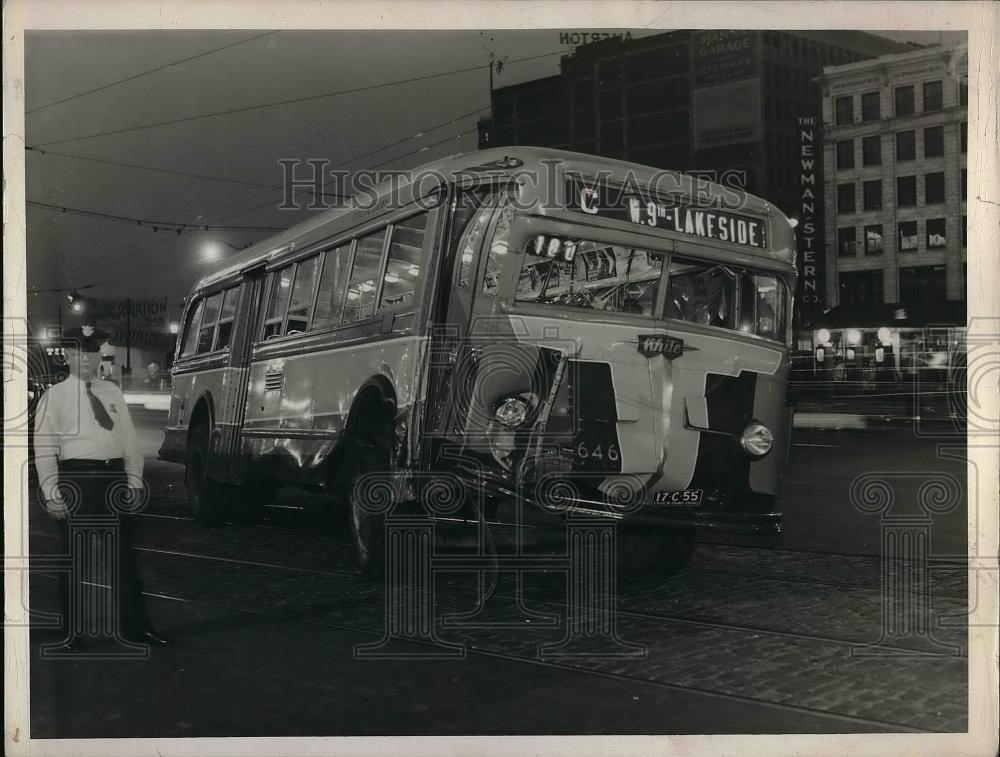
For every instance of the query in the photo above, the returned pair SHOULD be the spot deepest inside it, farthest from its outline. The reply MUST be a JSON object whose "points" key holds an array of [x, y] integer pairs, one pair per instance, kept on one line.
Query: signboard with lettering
{"points": [[631, 205], [724, 55], [809, 234], [143, 323]]}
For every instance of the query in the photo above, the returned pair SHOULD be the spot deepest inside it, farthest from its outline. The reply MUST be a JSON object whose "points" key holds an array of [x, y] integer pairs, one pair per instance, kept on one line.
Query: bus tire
{"points": [[664, 552], [370, 451], [207, 498]]}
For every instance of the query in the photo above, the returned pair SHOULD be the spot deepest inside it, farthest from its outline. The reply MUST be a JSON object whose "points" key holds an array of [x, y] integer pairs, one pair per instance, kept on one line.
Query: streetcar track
{"points": [[565, 667], [718, 571], [625, 613], [821, 582]]}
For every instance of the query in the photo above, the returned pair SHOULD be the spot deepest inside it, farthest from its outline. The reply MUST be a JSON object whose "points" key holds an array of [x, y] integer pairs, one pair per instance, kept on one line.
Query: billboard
{"points": [[726, 114]]}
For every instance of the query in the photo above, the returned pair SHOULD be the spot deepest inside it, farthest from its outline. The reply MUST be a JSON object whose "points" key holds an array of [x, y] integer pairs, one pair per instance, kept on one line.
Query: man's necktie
{"points": [[99, 412]]}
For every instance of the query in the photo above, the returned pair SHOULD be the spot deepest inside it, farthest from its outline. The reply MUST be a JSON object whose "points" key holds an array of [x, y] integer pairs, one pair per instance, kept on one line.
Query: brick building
{"points": [[726, 103], [894, 153]]}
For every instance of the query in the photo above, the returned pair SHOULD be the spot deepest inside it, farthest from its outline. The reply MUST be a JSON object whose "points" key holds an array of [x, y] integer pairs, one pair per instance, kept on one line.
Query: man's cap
{"points": [[84, 338]]}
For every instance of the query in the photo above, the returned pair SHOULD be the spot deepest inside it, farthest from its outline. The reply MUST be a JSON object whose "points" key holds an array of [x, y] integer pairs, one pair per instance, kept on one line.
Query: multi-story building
{"points": [[894, 153], [726, 103]]}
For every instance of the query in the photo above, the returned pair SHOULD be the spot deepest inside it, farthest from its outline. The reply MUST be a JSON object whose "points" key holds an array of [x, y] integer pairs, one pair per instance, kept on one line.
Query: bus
{"points": [[533, 325]]}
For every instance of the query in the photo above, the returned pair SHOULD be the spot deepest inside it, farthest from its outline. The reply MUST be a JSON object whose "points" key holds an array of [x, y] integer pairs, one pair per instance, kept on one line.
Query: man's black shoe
{"points": [[149, 636]]}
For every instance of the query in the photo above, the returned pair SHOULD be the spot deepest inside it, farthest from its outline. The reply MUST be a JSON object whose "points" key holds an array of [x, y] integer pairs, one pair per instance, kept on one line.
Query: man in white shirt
{"points": [[89, 463]]}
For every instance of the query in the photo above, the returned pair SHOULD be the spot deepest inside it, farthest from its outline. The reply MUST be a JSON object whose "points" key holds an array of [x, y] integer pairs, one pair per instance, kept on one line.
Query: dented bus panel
{"points": [[529, 320]]}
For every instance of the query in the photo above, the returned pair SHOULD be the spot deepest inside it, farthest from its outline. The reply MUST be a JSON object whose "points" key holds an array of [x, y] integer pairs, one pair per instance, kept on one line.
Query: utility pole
{"points": [[492, 116], [128, 338]]}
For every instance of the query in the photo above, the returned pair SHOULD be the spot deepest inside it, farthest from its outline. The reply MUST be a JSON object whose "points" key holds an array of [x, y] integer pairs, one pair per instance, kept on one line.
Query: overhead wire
{"points": [[290, 101], [147, 73], [155, 224], [216, 221]]}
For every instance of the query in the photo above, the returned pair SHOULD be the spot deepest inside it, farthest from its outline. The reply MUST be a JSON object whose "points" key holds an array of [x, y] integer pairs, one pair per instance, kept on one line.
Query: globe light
{"points": [[823, 336], [853, 336], [174, 327], [211, 250], [884, 335]]}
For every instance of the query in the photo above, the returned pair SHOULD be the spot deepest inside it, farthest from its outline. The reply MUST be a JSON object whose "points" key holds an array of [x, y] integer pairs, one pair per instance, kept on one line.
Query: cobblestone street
{"points": [[744, 640]]}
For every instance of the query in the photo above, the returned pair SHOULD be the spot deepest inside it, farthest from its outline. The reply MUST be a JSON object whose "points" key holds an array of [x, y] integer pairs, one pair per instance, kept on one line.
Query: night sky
{"points": [[234, 156]]}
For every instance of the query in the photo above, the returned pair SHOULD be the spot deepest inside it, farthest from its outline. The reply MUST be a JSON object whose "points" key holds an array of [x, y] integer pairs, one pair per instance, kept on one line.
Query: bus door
{"points": [[229, 464], [472, 219]]}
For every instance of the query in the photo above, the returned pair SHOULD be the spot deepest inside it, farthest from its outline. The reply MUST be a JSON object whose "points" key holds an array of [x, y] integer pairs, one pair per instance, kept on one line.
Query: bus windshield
{"points": [[625, 279], [600, 276]]}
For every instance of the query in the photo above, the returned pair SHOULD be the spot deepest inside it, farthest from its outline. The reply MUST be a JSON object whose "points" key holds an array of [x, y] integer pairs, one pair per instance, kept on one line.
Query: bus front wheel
{"points": [[370, 450], [206, 498], [664, 552]]}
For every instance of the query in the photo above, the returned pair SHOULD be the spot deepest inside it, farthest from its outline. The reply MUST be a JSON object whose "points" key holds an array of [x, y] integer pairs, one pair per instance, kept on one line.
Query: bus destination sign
{"points": [[626, 205]]}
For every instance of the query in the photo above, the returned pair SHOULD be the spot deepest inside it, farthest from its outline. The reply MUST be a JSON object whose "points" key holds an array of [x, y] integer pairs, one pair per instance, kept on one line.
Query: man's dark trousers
{"points": [[97, 493]]}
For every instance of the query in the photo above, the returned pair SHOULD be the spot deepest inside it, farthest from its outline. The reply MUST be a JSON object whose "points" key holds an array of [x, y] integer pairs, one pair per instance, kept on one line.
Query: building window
{"points": [[904, 101], [965, 136], [845, 198], [871, 150], [922, 284], [872, 194], [906, 146], [932, 96], [933, 188], [906, 191], [965, 232], [965, 184], [861, 288], [845, 110], [847, 242], [870, 110], [963, 92], [936, 233], [907, 231], [845, 154], [873, 239], [934, 142]]}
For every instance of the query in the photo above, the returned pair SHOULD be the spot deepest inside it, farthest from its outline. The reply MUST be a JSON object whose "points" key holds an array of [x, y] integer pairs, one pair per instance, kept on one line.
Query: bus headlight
{"points": [[756, 439], [514, 410]]}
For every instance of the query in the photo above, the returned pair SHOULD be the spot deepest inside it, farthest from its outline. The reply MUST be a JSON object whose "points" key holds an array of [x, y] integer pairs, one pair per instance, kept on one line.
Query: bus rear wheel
{"points": [[207, 499], [664, 552]]}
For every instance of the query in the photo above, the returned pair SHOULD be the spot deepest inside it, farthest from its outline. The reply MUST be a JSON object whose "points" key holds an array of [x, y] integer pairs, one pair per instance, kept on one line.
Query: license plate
{"points": [[683, 498]]}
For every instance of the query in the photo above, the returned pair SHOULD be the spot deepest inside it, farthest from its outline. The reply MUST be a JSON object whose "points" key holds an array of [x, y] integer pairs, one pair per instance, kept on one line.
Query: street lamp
{"points": [[212, 249], [76, 303]]}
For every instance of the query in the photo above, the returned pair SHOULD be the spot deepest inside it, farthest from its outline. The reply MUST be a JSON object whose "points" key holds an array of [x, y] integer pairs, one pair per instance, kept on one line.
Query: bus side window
{"points": [[300, 302], [206, 333], [224, 332], [405, 264], [191, 333], [277, 301], [332, 287], [498, 248], [364, 277], [472, 216]]}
